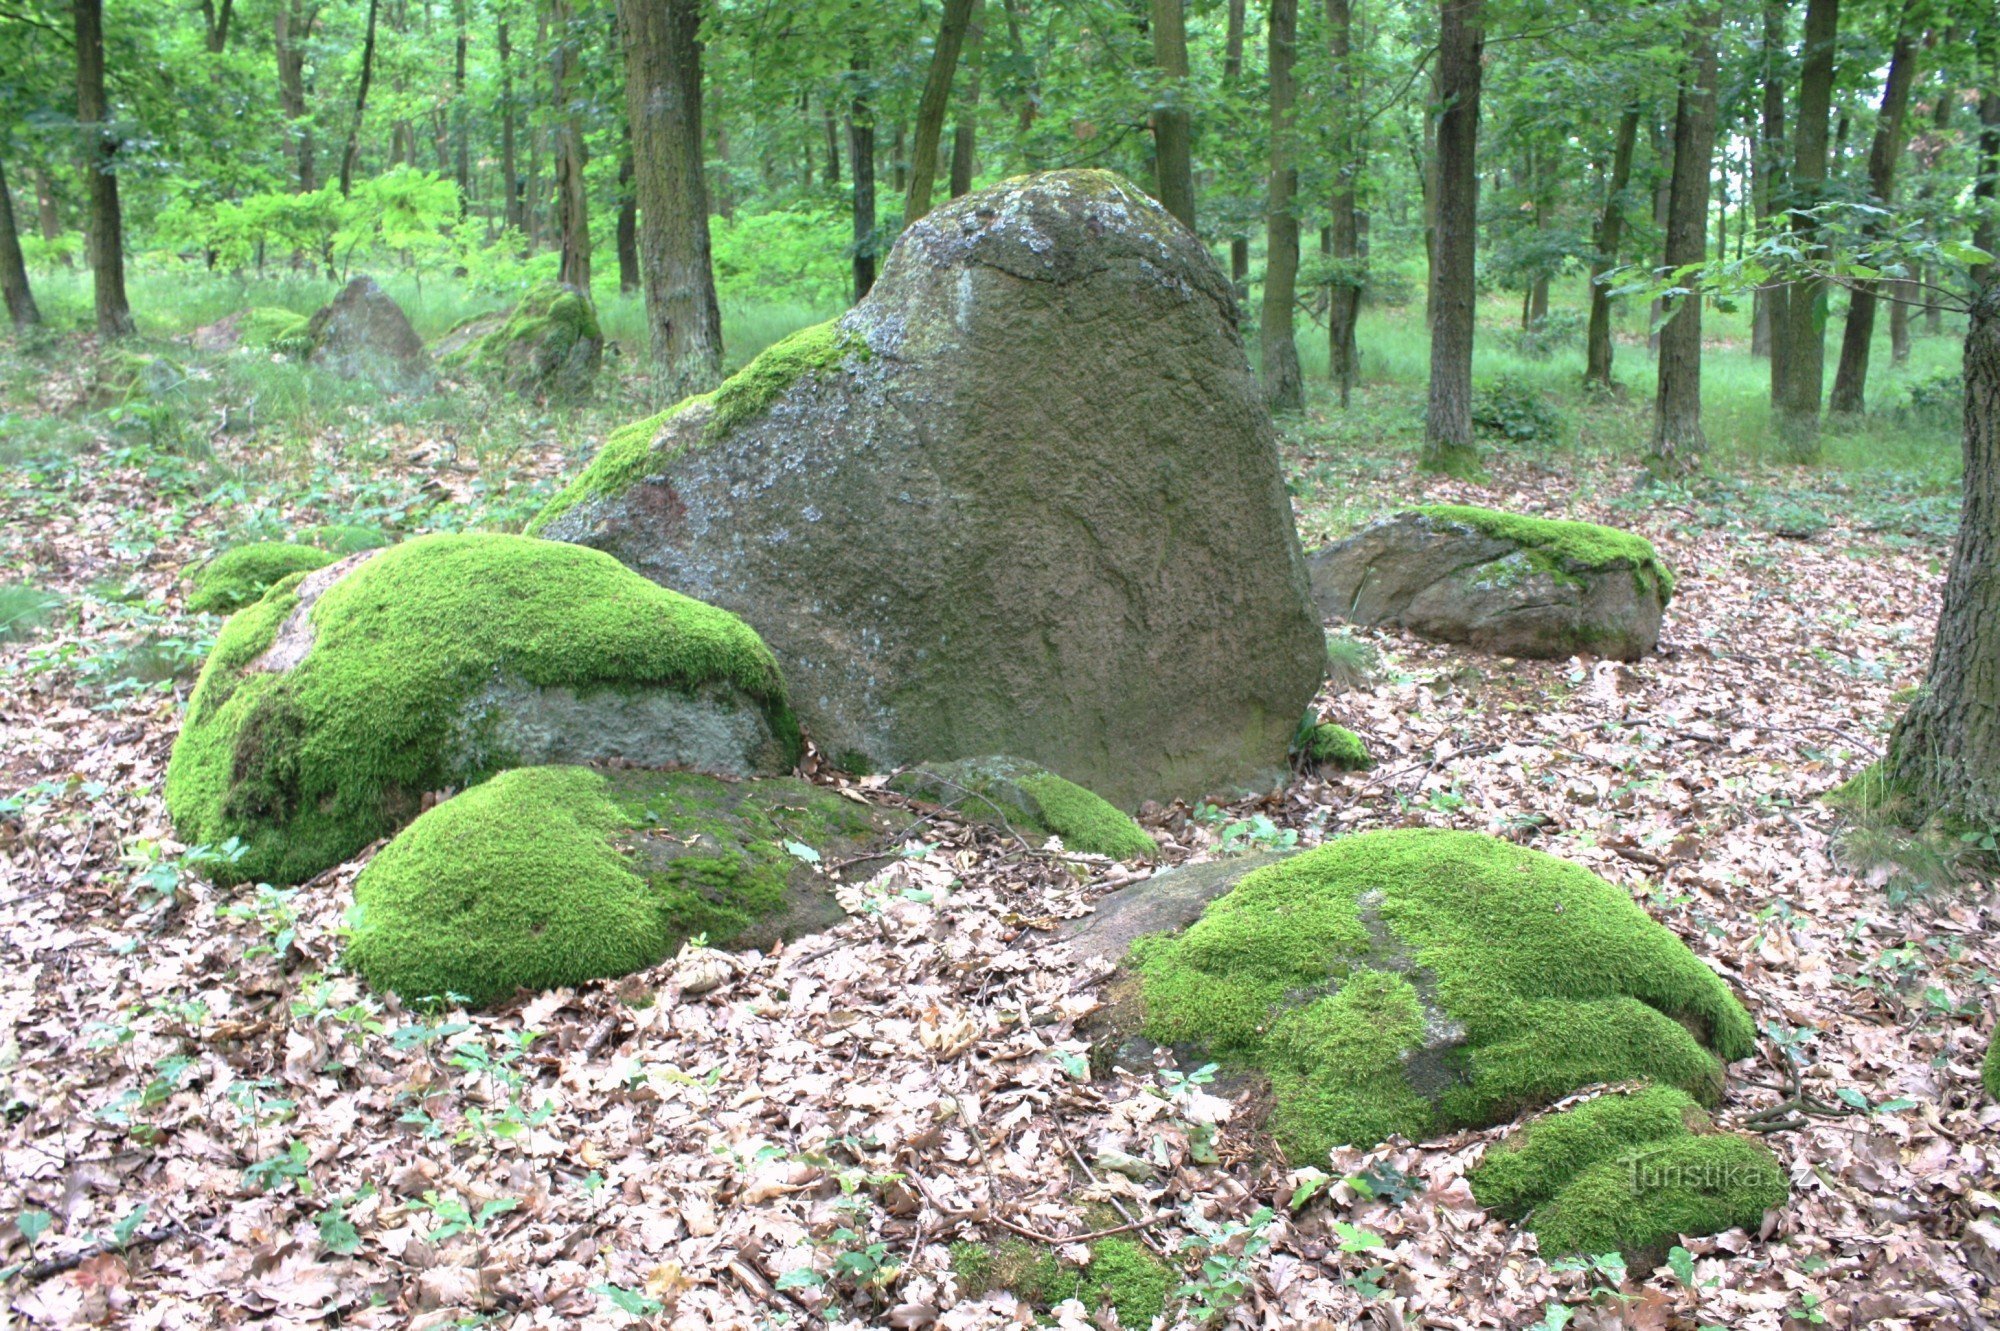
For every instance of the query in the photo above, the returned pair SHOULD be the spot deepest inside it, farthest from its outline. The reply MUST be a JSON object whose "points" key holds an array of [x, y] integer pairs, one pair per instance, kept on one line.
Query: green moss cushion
{"points": [[1121, 1272], [1630, 1173], [549, 876], [550, 344], [1404, 982], [1564, 548], [329, 708], [242, 574], [1030, 799], [1337, 746], [1989, 1070]]}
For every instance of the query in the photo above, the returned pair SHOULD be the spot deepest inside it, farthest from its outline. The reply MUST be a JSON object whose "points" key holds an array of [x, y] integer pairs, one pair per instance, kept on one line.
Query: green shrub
{"points": [[1512, 409]]}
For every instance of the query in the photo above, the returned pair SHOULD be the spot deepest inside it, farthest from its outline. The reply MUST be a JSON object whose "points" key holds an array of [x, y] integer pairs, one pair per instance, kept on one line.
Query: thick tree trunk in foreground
{"points": [[1769, 317], [1677, 438], [1173, 127], [1343, 310], [1284, 387], [931, 109], [13, 271], [1804, 360], [572, 198], [663, 95], [861, 157], [1448, 443], [1610, 235], [1850, 378], [353, 152], [100, 168]]}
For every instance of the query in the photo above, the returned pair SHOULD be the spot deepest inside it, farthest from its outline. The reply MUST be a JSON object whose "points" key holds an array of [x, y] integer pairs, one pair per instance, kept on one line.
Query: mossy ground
{"points": [[238, 576], [1032, 800], [1337, 746], [1989, 1070], [308, 765], [1565, 548], [628, 455], [1338, 972], [1121, 1272], [1629, 1173], [549, 876]]}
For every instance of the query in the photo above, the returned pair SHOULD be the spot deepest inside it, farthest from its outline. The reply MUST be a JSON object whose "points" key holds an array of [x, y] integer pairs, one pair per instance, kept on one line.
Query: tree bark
{"points": [[217, 22], [1448, 445], [1343, 310], [1232, 74], [1677, 438], [353, 151], [14, 287], [1850, 377], [1804, 360], [663, 95], [1284, 387], [832, 167], [1772, 302], [1173, 128], [510, 164], [100, 168], [861, 158], [931, 108], [1610, 235], [1663, 179], [572, 197], [965, 129], [628, 224], [291, 30], [461, 154]]}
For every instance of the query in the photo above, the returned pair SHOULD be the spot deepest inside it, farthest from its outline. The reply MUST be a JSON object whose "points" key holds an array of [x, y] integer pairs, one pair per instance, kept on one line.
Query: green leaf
{"points": [[1353, 1238], [1554, 1318], [630, 1300], [803, 1277], [800, 850], [1853, 1097], [1682, 1261]]}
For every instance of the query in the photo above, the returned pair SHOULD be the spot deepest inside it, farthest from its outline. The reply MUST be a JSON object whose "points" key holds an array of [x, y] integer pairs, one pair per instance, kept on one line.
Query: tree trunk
{"points": [[1772, 298], [291, 30], [100, 169], [347, 158], [1677, 438], [931, 108], [461, 153], [1663, 178], [1850, 378], [1284, 387], [216, 20], [1232, 75], [628, 224], [1610, 233], [861, 156], [1343, 310], [13, 270], [965, 129], [663, 95], [1448, 443], [1805, 314], [510, 165], [572, 197], [832, 167], [1173, 127]]}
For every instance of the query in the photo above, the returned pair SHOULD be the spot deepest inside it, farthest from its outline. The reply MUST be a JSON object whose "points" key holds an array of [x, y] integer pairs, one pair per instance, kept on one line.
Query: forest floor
{"points": [[207, 1122]]}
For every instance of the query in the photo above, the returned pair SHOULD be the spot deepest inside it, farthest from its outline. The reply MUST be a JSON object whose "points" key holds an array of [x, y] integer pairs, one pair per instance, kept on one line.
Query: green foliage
{"points": [[24, 610], [1329, 971], [1558, 330], [1989, 1071], [345, 538], [1564, 547], [792, 254], [242, 574], [1351, 662], [1938, 400], [308, 765], [1512, 409], [1337, 746]]}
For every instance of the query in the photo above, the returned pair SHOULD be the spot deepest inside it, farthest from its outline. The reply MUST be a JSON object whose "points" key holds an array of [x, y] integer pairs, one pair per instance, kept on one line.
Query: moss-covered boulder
{"points": [[1331, 745], [262, 328], [364, 334], [1030, 800], [1410, 981], [1500, 582], [1025, 498], [549, 876], [1122, 1273], [243, 573], [329, 708], [550, 346], [1629, 1172]]}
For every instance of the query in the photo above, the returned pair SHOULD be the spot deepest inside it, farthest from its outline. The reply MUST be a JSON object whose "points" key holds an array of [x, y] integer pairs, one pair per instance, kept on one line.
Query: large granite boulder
{"points": [[549, 346], [1407, 982], [1025, 498], [334, 705], [1499, 582], [364, 334]]}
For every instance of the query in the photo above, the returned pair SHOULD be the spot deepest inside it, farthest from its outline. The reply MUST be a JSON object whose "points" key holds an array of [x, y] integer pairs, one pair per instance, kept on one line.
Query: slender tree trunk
{"points": [[965, 129], [663, 94], [13, 270], [1232, 75], [861, 156], [1774, 299], [1448, 445], [931, 108], [628, 224], [1663, 178], [48, 208], [100, 169], [832, 166], [353, 151], [1610, 234], [1805, 313], [1343, 309], [1850, 378], [1284, 387], [291, 30], [461, 154], [217, 21], [1677, 438], [511, 213], [1173, 127], [572, 197]]}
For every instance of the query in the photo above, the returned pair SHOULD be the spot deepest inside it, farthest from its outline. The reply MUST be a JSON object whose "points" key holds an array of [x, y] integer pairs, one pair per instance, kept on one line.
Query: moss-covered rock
{"points": [[1025, 498], [1333, 745], [346, 538], [1989, 1070], [364, 334], [1630, 1173], [243, 573], [1031, 800], [1405, 982], [329, 708], [1122, 1273], [548, 876], [549, 346], [1502, 582]]}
